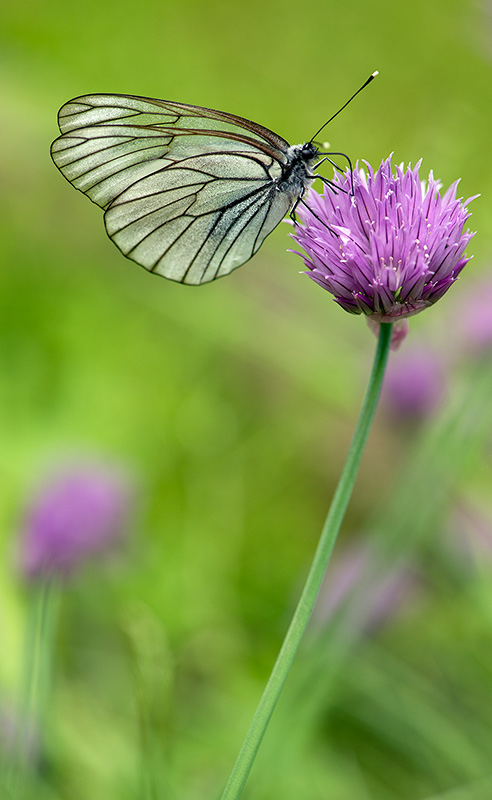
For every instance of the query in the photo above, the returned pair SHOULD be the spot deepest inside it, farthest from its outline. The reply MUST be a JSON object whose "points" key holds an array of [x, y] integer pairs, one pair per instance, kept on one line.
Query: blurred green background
{"points": [[232, 406]]}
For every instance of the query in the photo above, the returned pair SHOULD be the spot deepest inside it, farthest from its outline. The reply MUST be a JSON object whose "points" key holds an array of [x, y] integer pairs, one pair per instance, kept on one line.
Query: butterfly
{"points": [[189, 193]]}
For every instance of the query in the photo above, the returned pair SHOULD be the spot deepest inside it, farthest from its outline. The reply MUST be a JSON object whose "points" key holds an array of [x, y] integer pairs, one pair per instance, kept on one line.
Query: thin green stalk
{"points": [[39, 651], [266, 706], [35, 687]]}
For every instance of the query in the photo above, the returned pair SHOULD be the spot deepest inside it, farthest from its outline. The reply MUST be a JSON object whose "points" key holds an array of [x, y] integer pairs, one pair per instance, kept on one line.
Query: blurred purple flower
{"points": [[390, 248], [474, 319], [414, 383], [80, 511], [385, 594], [18, 740], [469, 534]]}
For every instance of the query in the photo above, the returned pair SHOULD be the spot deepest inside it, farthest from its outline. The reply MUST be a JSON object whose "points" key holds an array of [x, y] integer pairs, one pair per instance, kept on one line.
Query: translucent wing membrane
{"points": [[189, 193]]}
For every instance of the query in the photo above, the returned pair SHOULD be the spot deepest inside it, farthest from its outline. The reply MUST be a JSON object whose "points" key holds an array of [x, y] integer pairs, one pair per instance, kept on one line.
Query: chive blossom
{"points": [[385, 244]]}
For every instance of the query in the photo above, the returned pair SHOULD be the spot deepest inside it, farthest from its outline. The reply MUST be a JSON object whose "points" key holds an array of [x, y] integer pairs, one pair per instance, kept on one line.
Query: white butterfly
{"points": [[188, 192]]}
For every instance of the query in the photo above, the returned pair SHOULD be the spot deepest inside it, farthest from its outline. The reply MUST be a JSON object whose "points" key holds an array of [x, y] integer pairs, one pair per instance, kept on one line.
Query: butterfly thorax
{"points": [[296, 173]]}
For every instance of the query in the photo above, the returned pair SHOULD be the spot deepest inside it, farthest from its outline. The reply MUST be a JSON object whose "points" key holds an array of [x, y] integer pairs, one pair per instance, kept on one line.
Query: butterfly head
{"points": [[302, 154], [309, 151]]}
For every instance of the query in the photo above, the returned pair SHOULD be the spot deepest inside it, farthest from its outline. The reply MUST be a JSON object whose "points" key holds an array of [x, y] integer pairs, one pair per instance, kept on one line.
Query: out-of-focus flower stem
{"points": [[42, 614], [266, 706]]}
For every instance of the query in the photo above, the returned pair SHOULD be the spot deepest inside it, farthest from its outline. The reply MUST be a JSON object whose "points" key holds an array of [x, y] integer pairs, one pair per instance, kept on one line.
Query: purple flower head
{"points": [[80, 511], [390, 248]]}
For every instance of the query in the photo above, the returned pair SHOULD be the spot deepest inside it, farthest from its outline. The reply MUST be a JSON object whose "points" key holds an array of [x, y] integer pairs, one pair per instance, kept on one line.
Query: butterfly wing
{"points": [[188, 192]]}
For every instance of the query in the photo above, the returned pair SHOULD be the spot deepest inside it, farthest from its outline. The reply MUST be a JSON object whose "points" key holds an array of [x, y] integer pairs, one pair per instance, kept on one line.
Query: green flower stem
{"points": [[266, 706]]}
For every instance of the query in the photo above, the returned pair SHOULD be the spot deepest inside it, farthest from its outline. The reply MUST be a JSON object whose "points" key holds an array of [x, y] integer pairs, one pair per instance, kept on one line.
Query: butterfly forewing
{"points": [[189, 193], [100, 109]]}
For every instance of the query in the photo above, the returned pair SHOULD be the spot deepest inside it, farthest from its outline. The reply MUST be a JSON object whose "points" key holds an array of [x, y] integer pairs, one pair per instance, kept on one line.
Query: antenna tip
{"points": [[376, 72]]}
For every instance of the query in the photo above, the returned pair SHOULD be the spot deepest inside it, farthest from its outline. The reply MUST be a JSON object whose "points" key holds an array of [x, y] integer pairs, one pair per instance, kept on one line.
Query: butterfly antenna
{"points": [[370, 78]]}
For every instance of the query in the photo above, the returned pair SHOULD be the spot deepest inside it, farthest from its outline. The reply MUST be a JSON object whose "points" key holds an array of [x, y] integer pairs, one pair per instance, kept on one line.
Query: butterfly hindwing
{"points": [[191, 221]]}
